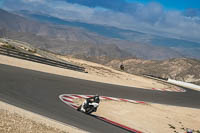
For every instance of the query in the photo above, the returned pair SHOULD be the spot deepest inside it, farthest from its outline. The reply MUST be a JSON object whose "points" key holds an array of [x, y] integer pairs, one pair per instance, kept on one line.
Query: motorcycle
{"points": [[88, 108]]}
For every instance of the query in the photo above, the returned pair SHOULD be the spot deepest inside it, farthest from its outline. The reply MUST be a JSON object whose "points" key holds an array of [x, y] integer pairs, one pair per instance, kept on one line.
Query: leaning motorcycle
{"points": [[88, 109]]}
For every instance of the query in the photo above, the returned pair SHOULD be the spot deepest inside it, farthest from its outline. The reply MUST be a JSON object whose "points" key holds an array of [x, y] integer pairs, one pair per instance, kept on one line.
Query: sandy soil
{"points": [[16, 120], [109, 75], [150, 118], [1, 44]]}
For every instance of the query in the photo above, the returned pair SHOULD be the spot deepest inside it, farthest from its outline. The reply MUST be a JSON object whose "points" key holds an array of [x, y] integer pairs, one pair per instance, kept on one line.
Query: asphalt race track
{"points": [[38, 92]]}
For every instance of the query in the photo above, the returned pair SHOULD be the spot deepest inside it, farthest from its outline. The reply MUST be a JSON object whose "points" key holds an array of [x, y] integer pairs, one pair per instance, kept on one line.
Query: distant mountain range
{"points": [[91, 40]]}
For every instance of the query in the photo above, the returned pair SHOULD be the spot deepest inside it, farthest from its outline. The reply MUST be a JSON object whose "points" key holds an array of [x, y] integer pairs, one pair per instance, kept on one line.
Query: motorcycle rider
{"points": [[90, 101]]}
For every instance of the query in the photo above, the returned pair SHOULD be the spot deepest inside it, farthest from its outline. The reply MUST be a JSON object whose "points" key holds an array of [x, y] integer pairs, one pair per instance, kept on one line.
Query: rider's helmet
{"points": [[96, 98]]}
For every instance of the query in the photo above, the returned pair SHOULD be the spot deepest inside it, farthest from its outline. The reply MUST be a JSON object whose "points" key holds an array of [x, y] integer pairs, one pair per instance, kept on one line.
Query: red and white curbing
{"points": [[68, 99], [175, 90]]}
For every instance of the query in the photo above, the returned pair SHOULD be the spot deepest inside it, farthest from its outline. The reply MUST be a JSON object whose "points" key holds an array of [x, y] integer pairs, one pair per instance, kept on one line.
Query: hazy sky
{"points": [[174, 18]]}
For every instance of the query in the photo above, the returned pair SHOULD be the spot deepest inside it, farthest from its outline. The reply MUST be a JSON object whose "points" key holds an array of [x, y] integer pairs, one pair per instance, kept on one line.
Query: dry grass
{"points": [[16, 120], [14, 123]]}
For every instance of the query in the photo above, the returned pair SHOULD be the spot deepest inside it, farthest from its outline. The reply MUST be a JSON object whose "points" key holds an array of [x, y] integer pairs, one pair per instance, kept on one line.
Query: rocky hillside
{"points": [[72, 40], [180, 69], [60, 39]]}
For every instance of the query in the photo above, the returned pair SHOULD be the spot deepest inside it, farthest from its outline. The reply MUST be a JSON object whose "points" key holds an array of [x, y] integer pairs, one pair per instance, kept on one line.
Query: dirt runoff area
{"points": [[16, 120], [150, 118]]}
